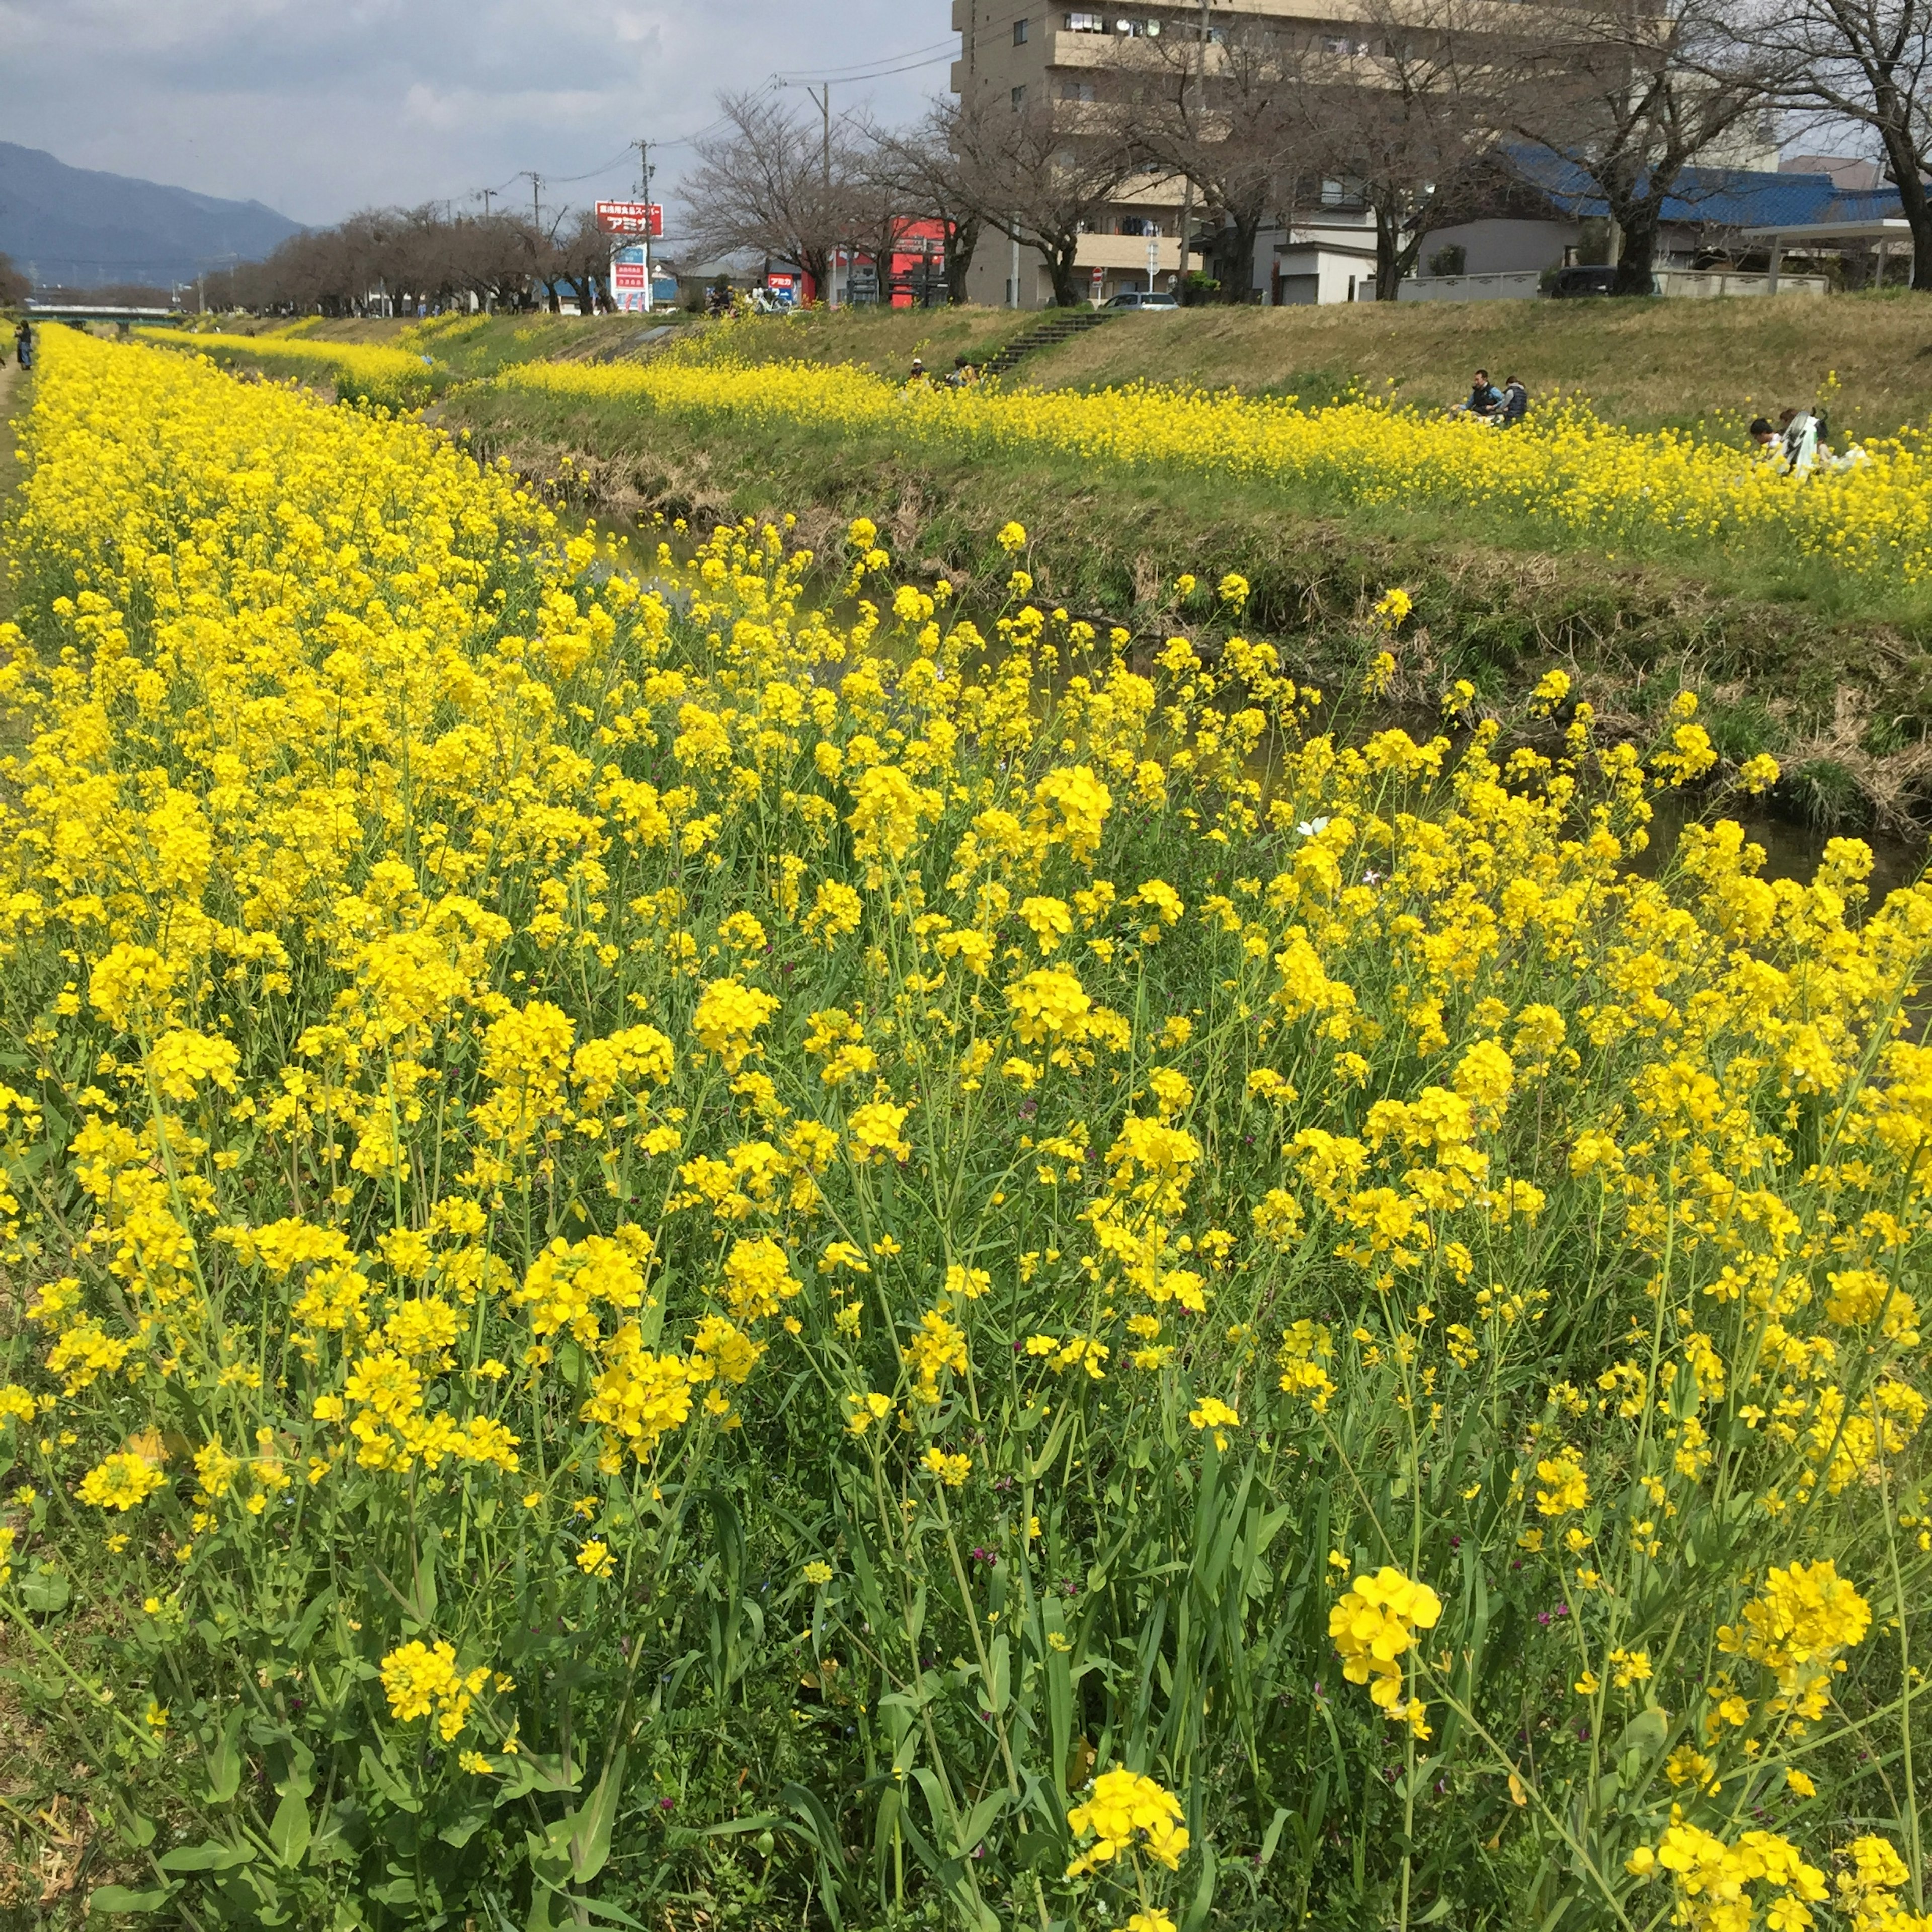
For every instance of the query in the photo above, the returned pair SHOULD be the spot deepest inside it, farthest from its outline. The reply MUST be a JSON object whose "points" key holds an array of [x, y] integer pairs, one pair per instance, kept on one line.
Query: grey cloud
{"points": [[319, 106]]}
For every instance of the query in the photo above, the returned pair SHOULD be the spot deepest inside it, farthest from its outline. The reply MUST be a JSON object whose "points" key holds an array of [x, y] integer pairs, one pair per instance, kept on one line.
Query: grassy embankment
{"points": [[1831, 674]]}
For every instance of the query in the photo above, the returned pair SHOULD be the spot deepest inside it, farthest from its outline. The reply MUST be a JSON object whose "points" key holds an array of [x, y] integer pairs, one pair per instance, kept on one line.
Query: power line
{"points": [[926, 56]]}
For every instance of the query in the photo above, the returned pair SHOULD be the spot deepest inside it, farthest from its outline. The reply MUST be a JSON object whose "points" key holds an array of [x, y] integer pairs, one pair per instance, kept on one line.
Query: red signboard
{"points": [[627, 274], [632, 217]]}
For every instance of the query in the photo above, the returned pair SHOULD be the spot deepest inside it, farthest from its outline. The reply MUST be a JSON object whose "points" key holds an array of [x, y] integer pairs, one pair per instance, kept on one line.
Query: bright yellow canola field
{"points": [[1565, 471], [398, 379], [659, 1243]]}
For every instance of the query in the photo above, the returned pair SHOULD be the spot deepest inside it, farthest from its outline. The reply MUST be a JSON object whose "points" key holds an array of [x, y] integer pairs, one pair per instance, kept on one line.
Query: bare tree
{"points": [[1868, 62], [14, 287], [1231, 118], [583, 253], [1633, 91], [1041, 177], [925, 169], [1403, 110], [773, 182]]}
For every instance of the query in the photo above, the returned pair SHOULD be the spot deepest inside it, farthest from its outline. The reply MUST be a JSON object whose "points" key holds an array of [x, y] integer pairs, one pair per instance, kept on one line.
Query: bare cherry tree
{"points": [[1868, 62], [774, 182], [582, 252], [1402, 105], [1634, 92], [1229, 117], [924, 170], [1042, 174]]}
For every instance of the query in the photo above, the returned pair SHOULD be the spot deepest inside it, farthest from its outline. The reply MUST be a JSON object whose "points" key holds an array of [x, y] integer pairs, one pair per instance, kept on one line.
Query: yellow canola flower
{"points": [[1373, 1626], [1127, 1812], [1567, 471], [120, 1482], [419, 1679], [398, 378]]}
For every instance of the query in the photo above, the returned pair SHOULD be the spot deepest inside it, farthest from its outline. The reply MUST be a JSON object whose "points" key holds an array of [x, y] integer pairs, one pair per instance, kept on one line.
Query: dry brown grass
{"points": [[1647, 364]]}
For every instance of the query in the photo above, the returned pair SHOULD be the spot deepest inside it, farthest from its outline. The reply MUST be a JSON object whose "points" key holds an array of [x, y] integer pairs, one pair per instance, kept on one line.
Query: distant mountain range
{"points": [[78, 228]]}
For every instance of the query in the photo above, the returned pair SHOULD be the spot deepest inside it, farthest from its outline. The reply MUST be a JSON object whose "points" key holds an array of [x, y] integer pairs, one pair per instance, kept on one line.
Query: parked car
{"points": [[1140, 298], [1583, 278]]}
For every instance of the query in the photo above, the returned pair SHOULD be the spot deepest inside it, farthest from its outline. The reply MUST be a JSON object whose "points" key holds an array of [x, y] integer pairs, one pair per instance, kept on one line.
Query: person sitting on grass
{"points": [[963, 374], [1763, 438], [1485, 399], [1798, 450], [918, 375], [1516, 403]]}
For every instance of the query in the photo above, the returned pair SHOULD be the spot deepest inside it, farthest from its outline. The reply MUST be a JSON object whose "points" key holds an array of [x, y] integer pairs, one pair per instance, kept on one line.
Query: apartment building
{"points": [[1014, 54]]}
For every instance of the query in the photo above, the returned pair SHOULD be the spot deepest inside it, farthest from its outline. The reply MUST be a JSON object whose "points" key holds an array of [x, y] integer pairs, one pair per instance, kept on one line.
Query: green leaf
{"points": [[1271, 1837], [592, 1908], [590, 1841], [289, 1832], [210, 1857], [45, 1592], [1204, 1897], [1647, 1732], [980, 1821], [391, 1787], [224, 1761], [112, 1900], [999, 1684]]}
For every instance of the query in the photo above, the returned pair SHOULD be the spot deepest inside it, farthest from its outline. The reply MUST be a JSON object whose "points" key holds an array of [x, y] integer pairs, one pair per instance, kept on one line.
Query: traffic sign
{"points": [[632, 217]]}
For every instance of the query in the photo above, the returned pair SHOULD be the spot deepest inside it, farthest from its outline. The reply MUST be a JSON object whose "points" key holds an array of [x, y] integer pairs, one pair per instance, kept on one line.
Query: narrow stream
{"points": [[1793, 847]]}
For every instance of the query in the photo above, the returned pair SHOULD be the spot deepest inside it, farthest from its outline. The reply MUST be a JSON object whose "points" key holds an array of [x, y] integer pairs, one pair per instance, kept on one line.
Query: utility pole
{"points": [[487, 193], [1187, 184], [825, 165], [644, 196], [824, 94], [536, 205]]}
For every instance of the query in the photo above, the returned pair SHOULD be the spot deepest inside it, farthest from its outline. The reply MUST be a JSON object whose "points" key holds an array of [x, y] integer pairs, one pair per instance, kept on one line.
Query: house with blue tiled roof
{"points": [[1540, 200]]}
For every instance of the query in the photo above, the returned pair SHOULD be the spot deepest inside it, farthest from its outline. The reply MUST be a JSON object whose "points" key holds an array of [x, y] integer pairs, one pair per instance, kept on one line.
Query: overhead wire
{"points": [[883, 67]]}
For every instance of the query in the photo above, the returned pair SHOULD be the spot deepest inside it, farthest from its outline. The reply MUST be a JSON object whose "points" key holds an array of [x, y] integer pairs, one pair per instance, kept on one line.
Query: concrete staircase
{"points": [[1061, 325]]}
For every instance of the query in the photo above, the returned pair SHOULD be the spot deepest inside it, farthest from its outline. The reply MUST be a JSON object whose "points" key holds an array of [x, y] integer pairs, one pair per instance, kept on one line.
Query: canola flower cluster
{"points": [[590, 1154], [1566, 471], [393, 378]]}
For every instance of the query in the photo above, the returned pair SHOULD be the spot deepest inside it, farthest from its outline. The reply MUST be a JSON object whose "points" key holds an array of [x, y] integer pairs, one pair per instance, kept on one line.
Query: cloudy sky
{"points": [[320, 106]]}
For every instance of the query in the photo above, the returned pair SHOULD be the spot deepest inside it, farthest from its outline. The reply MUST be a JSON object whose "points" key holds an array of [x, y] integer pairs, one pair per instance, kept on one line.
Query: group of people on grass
{"points": [[1504, 407], [1800, 444], [963, 374]]}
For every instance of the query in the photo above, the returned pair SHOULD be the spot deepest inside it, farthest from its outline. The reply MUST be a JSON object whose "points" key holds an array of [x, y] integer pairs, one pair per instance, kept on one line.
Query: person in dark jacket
{"points": [[1485, 399], [23, 343], [1516, 403]]}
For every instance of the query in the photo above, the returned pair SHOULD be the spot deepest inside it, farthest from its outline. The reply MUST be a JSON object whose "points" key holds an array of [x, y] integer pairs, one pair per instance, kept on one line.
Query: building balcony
{"points": [[1128, 251]]}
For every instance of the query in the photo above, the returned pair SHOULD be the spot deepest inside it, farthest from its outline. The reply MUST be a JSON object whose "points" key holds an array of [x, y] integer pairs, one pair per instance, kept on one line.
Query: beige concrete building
{"points": [[1014, 54]]}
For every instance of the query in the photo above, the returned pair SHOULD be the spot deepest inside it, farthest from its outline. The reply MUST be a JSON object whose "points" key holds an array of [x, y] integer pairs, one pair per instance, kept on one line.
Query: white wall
{"points": [[1502, 247]]}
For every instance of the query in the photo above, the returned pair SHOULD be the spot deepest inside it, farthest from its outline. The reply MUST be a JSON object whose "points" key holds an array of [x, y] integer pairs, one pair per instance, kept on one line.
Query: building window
{"points": [[1333, 192], [1086, 23], [1139, 224], [1020, 29], [1019, 97], [1077, 90]]}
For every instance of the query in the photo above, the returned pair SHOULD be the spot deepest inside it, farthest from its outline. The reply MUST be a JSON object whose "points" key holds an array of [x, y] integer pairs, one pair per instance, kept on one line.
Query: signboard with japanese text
{"points": [[630, 279], [632, 217]]}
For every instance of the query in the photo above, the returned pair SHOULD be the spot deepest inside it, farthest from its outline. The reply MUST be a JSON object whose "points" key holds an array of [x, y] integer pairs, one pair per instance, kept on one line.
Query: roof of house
{"points": [[1711, 197]]}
